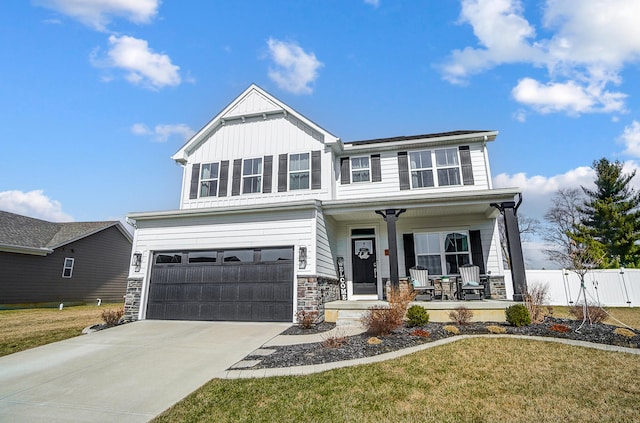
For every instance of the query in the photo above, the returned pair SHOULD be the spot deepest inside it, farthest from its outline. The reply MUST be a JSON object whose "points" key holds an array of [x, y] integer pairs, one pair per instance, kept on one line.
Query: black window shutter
{"points": [[195, 179], [316, 169], [283, 171], [345, 171], [476, 250], [223, 181], [403, 170], [237, 173], [376, 172], [465, 162], [409, 252], [267, 174]]}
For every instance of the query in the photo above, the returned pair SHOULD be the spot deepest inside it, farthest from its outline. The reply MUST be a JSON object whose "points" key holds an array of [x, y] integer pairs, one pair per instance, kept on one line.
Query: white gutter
{"points": [[19, 249]]}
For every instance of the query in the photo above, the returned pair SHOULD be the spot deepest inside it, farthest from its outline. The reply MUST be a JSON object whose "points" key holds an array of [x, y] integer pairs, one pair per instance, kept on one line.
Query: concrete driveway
{"points": [[129, 373]]}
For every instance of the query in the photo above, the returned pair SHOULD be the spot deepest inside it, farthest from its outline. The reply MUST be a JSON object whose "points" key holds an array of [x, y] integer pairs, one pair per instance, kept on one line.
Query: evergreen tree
{"points": [[611, 216]]}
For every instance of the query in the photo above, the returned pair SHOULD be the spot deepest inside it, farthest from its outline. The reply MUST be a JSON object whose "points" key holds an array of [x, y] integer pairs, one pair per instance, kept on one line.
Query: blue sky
{"points": [[96, 95]]}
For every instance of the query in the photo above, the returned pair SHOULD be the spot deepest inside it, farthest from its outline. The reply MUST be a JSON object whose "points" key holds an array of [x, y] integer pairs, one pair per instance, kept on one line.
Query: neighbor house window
{"points": [[421, 169], [209, 179], [251, 175], [442, 252], [448, 167], [360, 169], [67, 269], [299, 171]]}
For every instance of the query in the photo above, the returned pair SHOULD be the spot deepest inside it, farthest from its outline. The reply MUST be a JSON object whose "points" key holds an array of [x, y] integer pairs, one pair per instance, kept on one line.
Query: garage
{"points": [[230, 285]]}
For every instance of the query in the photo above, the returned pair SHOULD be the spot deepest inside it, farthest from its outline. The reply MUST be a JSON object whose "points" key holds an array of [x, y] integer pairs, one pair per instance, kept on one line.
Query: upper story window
{"points": [[209, 173], [299, 169], [421, 169], [67, 268], [448, 167], [442, 252], [360, 169], [251, 175]]}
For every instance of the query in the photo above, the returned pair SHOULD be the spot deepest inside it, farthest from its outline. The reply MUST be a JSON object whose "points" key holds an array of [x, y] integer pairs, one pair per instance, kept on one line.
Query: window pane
{"points": [[66, 273], [421, 178], [251, 184], [168, 258], [252, 167], [299, 180], [447, 157], [244, 256], [432, 263], [448, 177], [456, 242], [454, 261], [209, 188], [360, 176], [427, 243], [277, 254], [360, 163], [420, 159], [299, 162], [203, 257]]}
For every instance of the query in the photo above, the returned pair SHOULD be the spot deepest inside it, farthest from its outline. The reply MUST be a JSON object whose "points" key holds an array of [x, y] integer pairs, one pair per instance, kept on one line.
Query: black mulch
{"points": [[358, 346]]}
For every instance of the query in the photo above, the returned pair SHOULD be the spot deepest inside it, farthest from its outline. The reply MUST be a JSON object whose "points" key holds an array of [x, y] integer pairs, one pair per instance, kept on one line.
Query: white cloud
{"points": [[33, 204], [590, 43], [294, 68], [631, 139], [374, 3], [98, 13], [142, 66], [163, 132]]}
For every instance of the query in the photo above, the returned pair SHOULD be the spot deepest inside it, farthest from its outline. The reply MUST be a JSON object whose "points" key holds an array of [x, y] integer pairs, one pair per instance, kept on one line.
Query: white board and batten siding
{"points": [[390, 178], [276, 229], [326, 246], [257, 138]]}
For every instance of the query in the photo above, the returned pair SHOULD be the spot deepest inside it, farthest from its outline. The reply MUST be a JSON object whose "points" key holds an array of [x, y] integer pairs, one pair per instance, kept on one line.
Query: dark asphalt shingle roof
{"points": [[23, 231]]}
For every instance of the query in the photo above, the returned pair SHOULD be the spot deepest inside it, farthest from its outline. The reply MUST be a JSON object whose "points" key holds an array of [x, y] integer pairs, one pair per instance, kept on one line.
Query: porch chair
{"points": [[421, 282], [470, 286]]}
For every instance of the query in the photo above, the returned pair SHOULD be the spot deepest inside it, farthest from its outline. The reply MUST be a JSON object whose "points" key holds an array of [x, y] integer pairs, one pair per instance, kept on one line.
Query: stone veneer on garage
{"points": [[314, 292], [132, 299]]}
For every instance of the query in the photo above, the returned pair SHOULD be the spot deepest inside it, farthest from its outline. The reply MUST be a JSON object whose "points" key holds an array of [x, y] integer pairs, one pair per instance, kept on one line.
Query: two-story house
{"points": [[277, 215]]}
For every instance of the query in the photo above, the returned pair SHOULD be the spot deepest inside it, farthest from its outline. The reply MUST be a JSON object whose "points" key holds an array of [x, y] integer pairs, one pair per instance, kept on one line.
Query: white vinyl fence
{"points": [[609, 287]]}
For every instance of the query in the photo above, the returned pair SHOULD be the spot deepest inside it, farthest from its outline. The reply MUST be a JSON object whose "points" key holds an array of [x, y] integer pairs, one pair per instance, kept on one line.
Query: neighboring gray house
{"points": [[278, 215], [43, 263]]}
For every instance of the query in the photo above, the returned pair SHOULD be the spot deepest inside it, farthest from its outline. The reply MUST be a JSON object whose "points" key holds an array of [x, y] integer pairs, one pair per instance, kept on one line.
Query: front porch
{"points": [[483, 310]]}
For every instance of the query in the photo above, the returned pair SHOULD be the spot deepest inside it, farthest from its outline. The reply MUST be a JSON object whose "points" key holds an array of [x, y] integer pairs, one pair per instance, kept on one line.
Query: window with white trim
{"points": [[442, 252], [209, 173], [421, 167], [299, 170], [448, 167], [67, 268], [360, 169], [252, 175]]}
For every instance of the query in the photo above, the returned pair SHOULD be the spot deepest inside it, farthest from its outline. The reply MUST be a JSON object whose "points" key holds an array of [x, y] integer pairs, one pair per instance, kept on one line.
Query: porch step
{"points": [[350, 317]]}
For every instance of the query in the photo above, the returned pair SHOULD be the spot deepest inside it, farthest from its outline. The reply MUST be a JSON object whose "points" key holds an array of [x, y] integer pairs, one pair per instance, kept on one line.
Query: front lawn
{"points": [[480, 380], [28, 328], [627, 315]]}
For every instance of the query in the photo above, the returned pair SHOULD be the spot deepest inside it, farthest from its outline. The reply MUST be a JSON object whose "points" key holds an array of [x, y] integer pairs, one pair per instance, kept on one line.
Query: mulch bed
{"points": [[358, 346]]}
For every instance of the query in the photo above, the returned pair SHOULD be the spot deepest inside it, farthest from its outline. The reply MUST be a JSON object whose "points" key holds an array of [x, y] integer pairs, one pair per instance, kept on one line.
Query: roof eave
{"points": [[21, 249]]}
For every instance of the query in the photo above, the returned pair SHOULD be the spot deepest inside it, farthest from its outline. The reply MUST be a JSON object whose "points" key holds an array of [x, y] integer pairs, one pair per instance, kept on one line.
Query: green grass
{"points": [[475, 380], [29, 328]]}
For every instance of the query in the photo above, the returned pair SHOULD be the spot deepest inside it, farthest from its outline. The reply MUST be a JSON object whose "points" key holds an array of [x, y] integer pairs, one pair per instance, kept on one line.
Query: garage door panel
{"points": [[222, 291]]}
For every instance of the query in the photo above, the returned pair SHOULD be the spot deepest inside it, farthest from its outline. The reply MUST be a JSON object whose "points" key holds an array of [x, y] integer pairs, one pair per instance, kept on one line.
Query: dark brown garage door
{"points": [[237, 285]]}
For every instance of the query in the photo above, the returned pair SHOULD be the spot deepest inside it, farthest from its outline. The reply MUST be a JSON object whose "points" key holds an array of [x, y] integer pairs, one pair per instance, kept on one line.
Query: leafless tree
{"points": [[528, 226], [562, 219]]}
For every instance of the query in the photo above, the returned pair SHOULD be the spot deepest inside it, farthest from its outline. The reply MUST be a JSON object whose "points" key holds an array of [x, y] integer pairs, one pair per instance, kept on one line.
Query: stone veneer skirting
{"points": [[132, 299], [314, 292]]}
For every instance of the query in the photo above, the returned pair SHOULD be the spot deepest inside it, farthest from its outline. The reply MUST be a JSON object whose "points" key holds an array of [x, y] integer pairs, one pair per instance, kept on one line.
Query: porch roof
{"points": [[425, 205]]}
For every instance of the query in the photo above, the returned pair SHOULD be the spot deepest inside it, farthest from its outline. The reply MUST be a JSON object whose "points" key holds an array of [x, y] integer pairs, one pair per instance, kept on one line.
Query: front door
{"points": [[365, 273]]}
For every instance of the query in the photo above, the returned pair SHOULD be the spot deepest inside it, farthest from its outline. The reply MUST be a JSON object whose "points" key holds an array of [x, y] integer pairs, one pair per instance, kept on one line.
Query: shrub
{"points": [[461, 315], [624, 332], [451, 329], [335, 341], [381, 320], [559, 328], [518, 315], [595, 313], [112, 317], [420, 332], [535, 299], [496, 329], [417, 316], [306, 319]]}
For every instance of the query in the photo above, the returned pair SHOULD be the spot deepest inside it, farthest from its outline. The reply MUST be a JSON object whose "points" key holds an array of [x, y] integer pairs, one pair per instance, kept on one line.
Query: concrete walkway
{"points": [[129, 373]]}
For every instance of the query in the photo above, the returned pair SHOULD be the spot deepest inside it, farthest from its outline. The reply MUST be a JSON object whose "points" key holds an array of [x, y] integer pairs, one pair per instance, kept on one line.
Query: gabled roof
{"points": [[22, 234], [253, 103]]}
